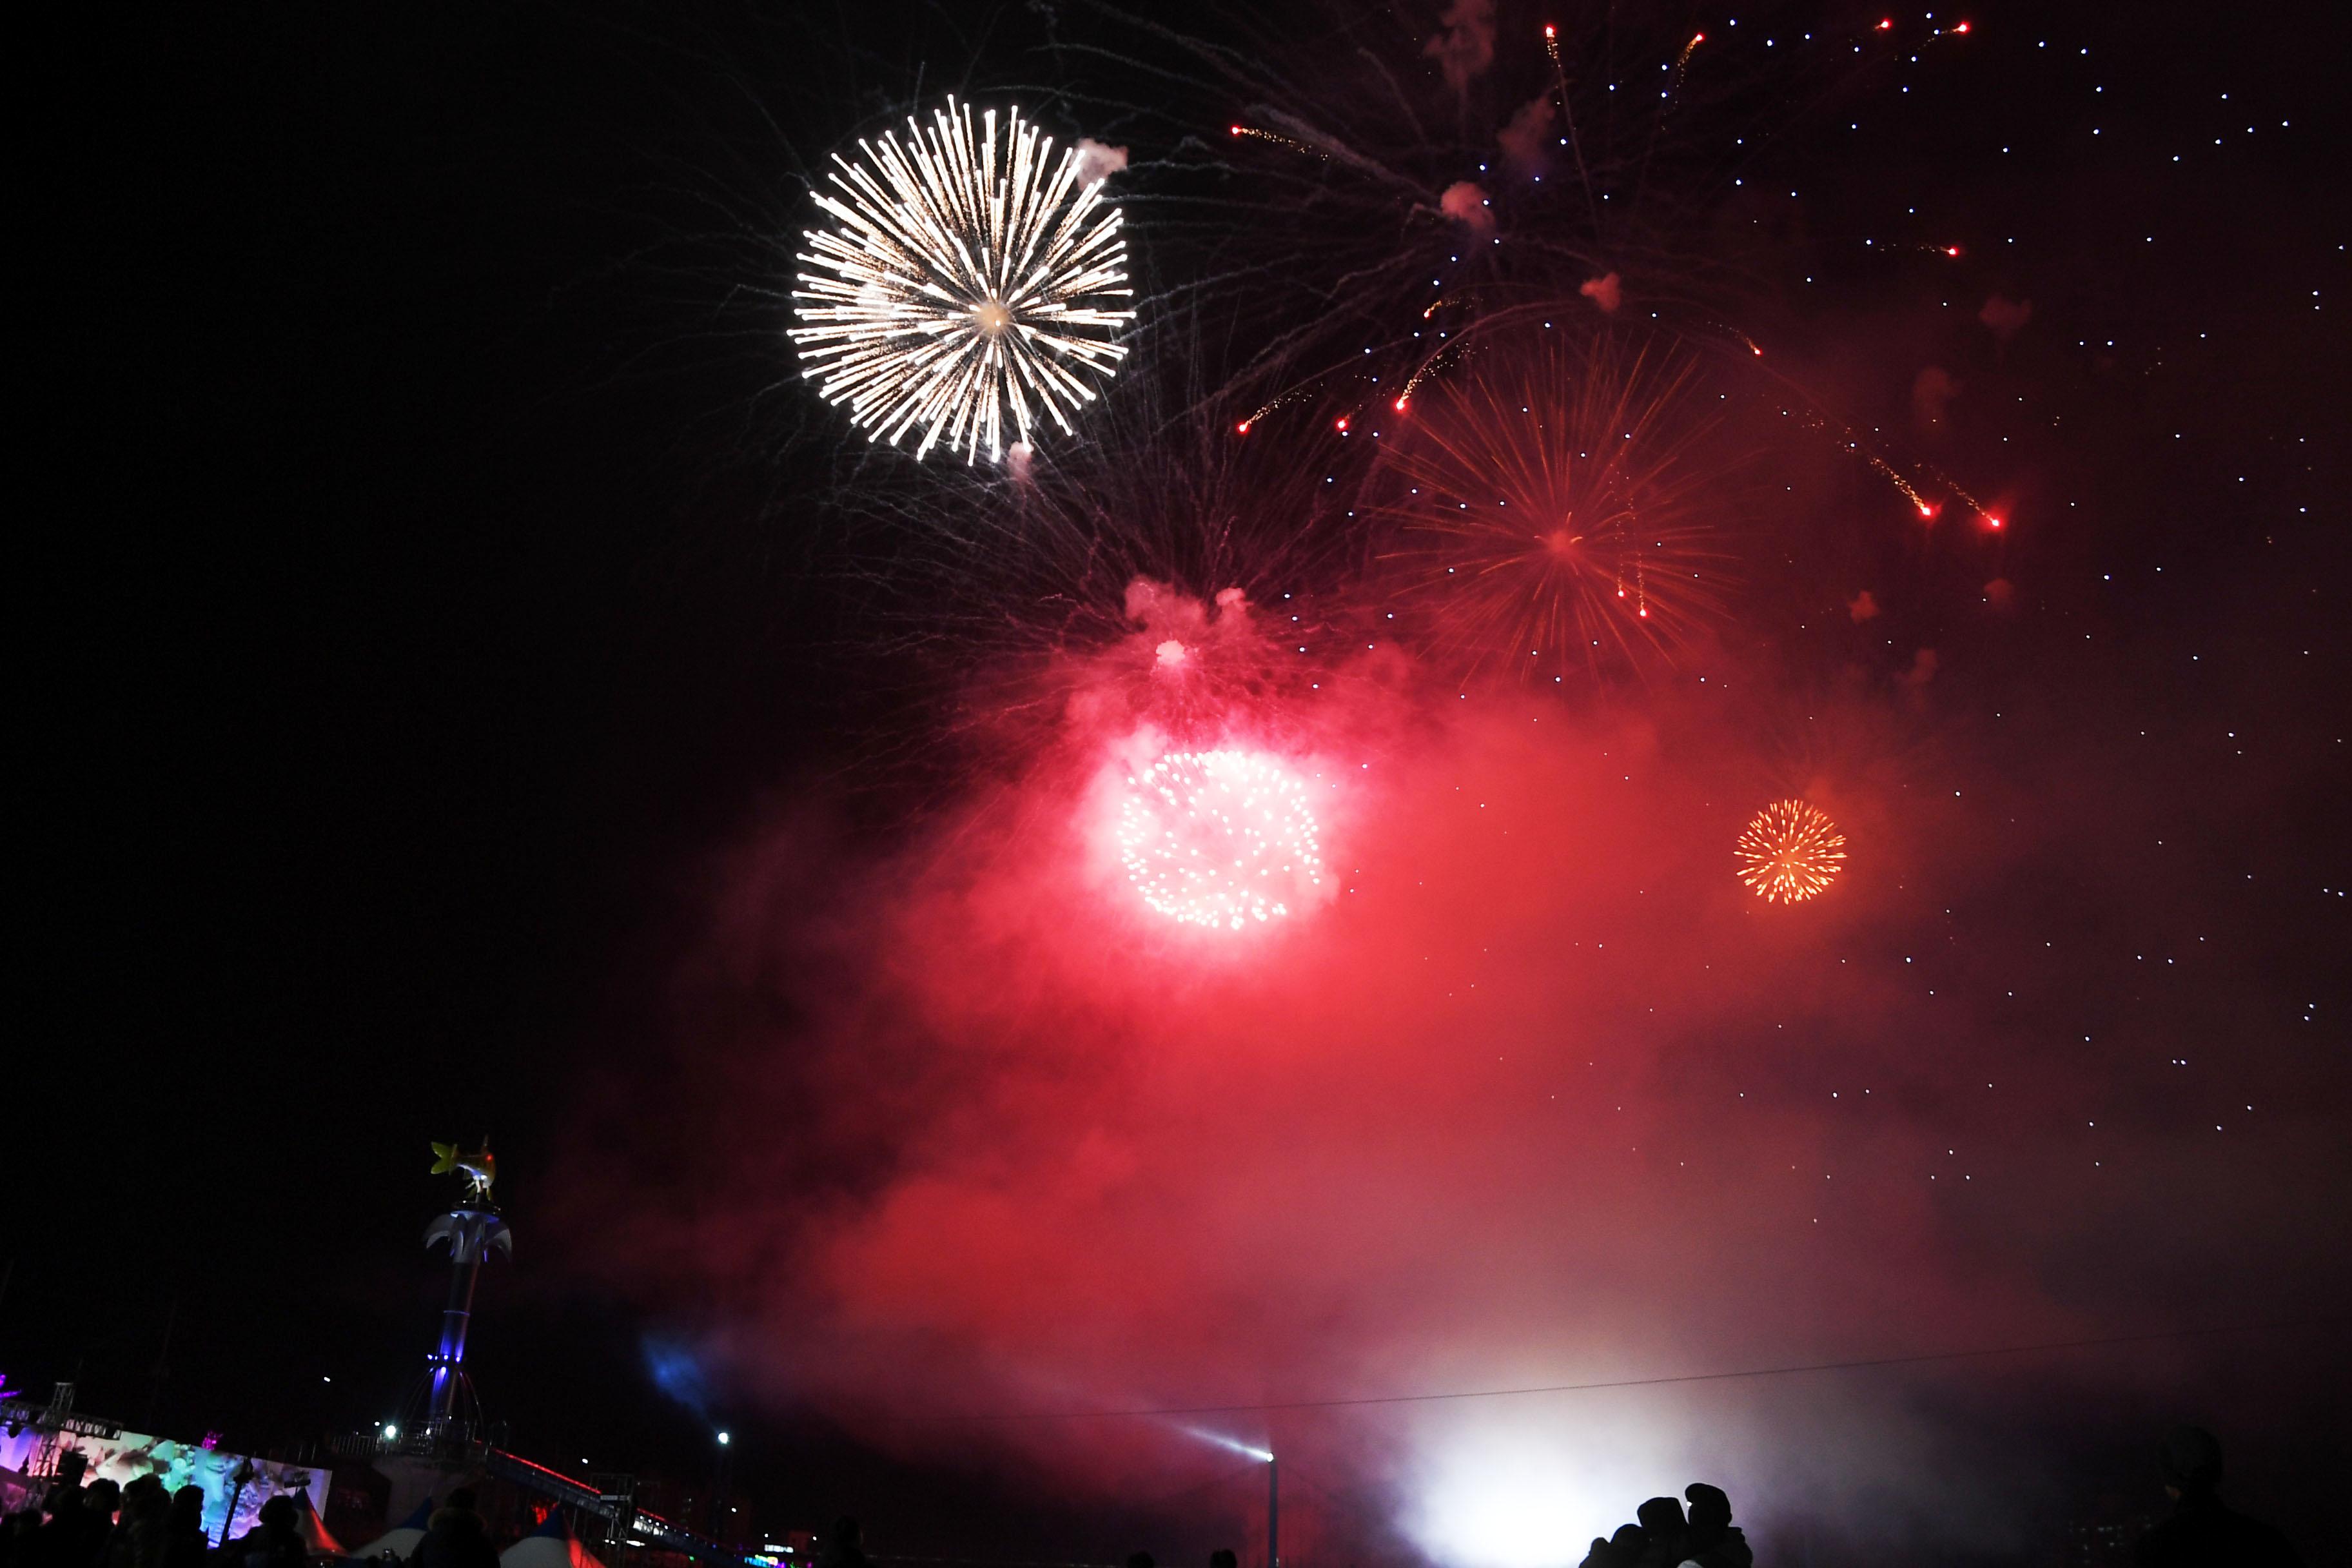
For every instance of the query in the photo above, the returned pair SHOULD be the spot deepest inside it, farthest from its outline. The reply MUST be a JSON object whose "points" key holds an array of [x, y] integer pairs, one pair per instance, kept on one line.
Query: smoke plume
{"points": [[960, 1142]]}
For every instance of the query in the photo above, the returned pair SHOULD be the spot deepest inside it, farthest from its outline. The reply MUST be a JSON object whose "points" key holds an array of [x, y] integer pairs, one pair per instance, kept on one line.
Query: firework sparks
{"points": [[1219, 838], [1252, 132], [1548, 511], [1790, 852], [966, 286]]}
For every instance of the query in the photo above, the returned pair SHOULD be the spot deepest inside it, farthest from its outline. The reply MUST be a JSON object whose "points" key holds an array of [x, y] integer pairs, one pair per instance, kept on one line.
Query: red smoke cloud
{"points": [[1527, 140], [1465, 203], [1541, 1096]]}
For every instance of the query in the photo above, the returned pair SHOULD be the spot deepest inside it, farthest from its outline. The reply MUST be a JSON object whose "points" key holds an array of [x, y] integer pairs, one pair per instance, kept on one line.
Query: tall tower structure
{"points": [[452, 1415]]}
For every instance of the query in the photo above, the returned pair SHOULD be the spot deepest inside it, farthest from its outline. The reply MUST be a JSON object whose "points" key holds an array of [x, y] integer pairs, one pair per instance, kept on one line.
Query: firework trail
{"points": [[1178, 570], [964, 286], [1343, 141]]}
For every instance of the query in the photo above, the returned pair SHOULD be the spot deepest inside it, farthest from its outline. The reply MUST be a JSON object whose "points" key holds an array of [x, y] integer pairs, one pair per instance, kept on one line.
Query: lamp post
{"points": [[1273, 1513], [244, 1479], [718, 1491]]}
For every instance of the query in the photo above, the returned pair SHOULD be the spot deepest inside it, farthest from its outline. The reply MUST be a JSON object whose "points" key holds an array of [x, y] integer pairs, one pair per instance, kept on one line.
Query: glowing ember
{"points": [[972, 282], [1790, 852], [1219, 838]]}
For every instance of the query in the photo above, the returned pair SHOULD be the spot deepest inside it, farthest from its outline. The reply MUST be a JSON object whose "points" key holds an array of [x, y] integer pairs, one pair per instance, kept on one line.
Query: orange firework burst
{"points": [[1543, 503], [1790, 852]]}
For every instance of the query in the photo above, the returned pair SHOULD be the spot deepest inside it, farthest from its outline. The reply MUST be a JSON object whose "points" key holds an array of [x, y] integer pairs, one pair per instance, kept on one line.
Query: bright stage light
{"points": [[1233, 1444], [1220, 838], [1522, 1492]]}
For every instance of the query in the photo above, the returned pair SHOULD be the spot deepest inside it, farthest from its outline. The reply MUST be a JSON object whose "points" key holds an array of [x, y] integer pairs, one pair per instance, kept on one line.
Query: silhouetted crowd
{"points": [[1664, 1536], [98, 1524], [138, 1525]]}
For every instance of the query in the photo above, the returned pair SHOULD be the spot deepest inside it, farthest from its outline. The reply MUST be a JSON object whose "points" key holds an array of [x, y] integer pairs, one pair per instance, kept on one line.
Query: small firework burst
{"points": [[1220, 838], [970, 285], [1544, 505], [1791, 852]]}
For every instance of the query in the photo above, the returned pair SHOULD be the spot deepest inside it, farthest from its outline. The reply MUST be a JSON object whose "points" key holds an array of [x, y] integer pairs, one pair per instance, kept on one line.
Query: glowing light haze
{"points": [[1219, 838], [967, 284]]}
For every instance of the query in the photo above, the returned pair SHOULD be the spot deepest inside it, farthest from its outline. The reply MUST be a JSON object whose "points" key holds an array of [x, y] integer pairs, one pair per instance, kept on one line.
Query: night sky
{"points": [[472, 683]]}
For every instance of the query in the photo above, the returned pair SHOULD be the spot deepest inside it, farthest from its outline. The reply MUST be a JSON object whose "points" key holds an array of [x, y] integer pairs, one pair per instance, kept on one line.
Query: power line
{"points": [[1917, 1360]]}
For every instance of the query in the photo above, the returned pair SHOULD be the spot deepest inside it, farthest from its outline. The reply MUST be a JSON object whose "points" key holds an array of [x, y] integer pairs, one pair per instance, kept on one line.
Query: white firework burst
{"points": [[965, 286]]}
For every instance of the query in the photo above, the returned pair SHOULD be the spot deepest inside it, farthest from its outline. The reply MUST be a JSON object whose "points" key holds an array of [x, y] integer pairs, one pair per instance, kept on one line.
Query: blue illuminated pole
{"points": [[470, 1233]]}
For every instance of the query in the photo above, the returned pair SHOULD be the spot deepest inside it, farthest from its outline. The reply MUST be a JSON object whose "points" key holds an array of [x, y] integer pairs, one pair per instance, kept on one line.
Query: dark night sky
{"points": [[421, 603]]}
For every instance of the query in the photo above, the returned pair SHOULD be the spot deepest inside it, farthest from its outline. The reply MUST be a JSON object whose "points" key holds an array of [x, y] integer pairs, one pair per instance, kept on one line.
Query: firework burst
{"points": [[1544, 506], [969, 285], [1220, 838], [1791, 852]]}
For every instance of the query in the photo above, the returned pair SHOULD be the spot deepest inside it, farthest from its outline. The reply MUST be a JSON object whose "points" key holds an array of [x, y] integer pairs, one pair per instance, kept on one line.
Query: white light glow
{"points": [[1234, 1445], [1220, 838], [968, 285]]}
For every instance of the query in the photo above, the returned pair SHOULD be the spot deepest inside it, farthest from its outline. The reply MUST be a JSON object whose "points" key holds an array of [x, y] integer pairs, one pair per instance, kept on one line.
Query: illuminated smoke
{"points": [[1097, 161], [1527, 141], [1465, 203], [2004, 317], [1466, 47], [1932, 392]]}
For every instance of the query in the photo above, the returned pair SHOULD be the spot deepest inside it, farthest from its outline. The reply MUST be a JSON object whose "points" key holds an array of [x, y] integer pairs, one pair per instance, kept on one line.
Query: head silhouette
{"points": [[2190, 1458], [1661, 1516]]}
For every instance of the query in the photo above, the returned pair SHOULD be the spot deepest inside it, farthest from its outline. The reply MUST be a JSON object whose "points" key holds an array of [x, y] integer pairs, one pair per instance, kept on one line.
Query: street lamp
{"points": [[718, 1492], [1272, 1486], [1272, 1514]]}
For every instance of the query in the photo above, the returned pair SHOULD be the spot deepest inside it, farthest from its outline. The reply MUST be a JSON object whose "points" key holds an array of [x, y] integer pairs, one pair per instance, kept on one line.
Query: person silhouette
{"points": [[2203, 1531], [1662, 1522], [1715, 1542], [1622, 1550], [845, 1547]]}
